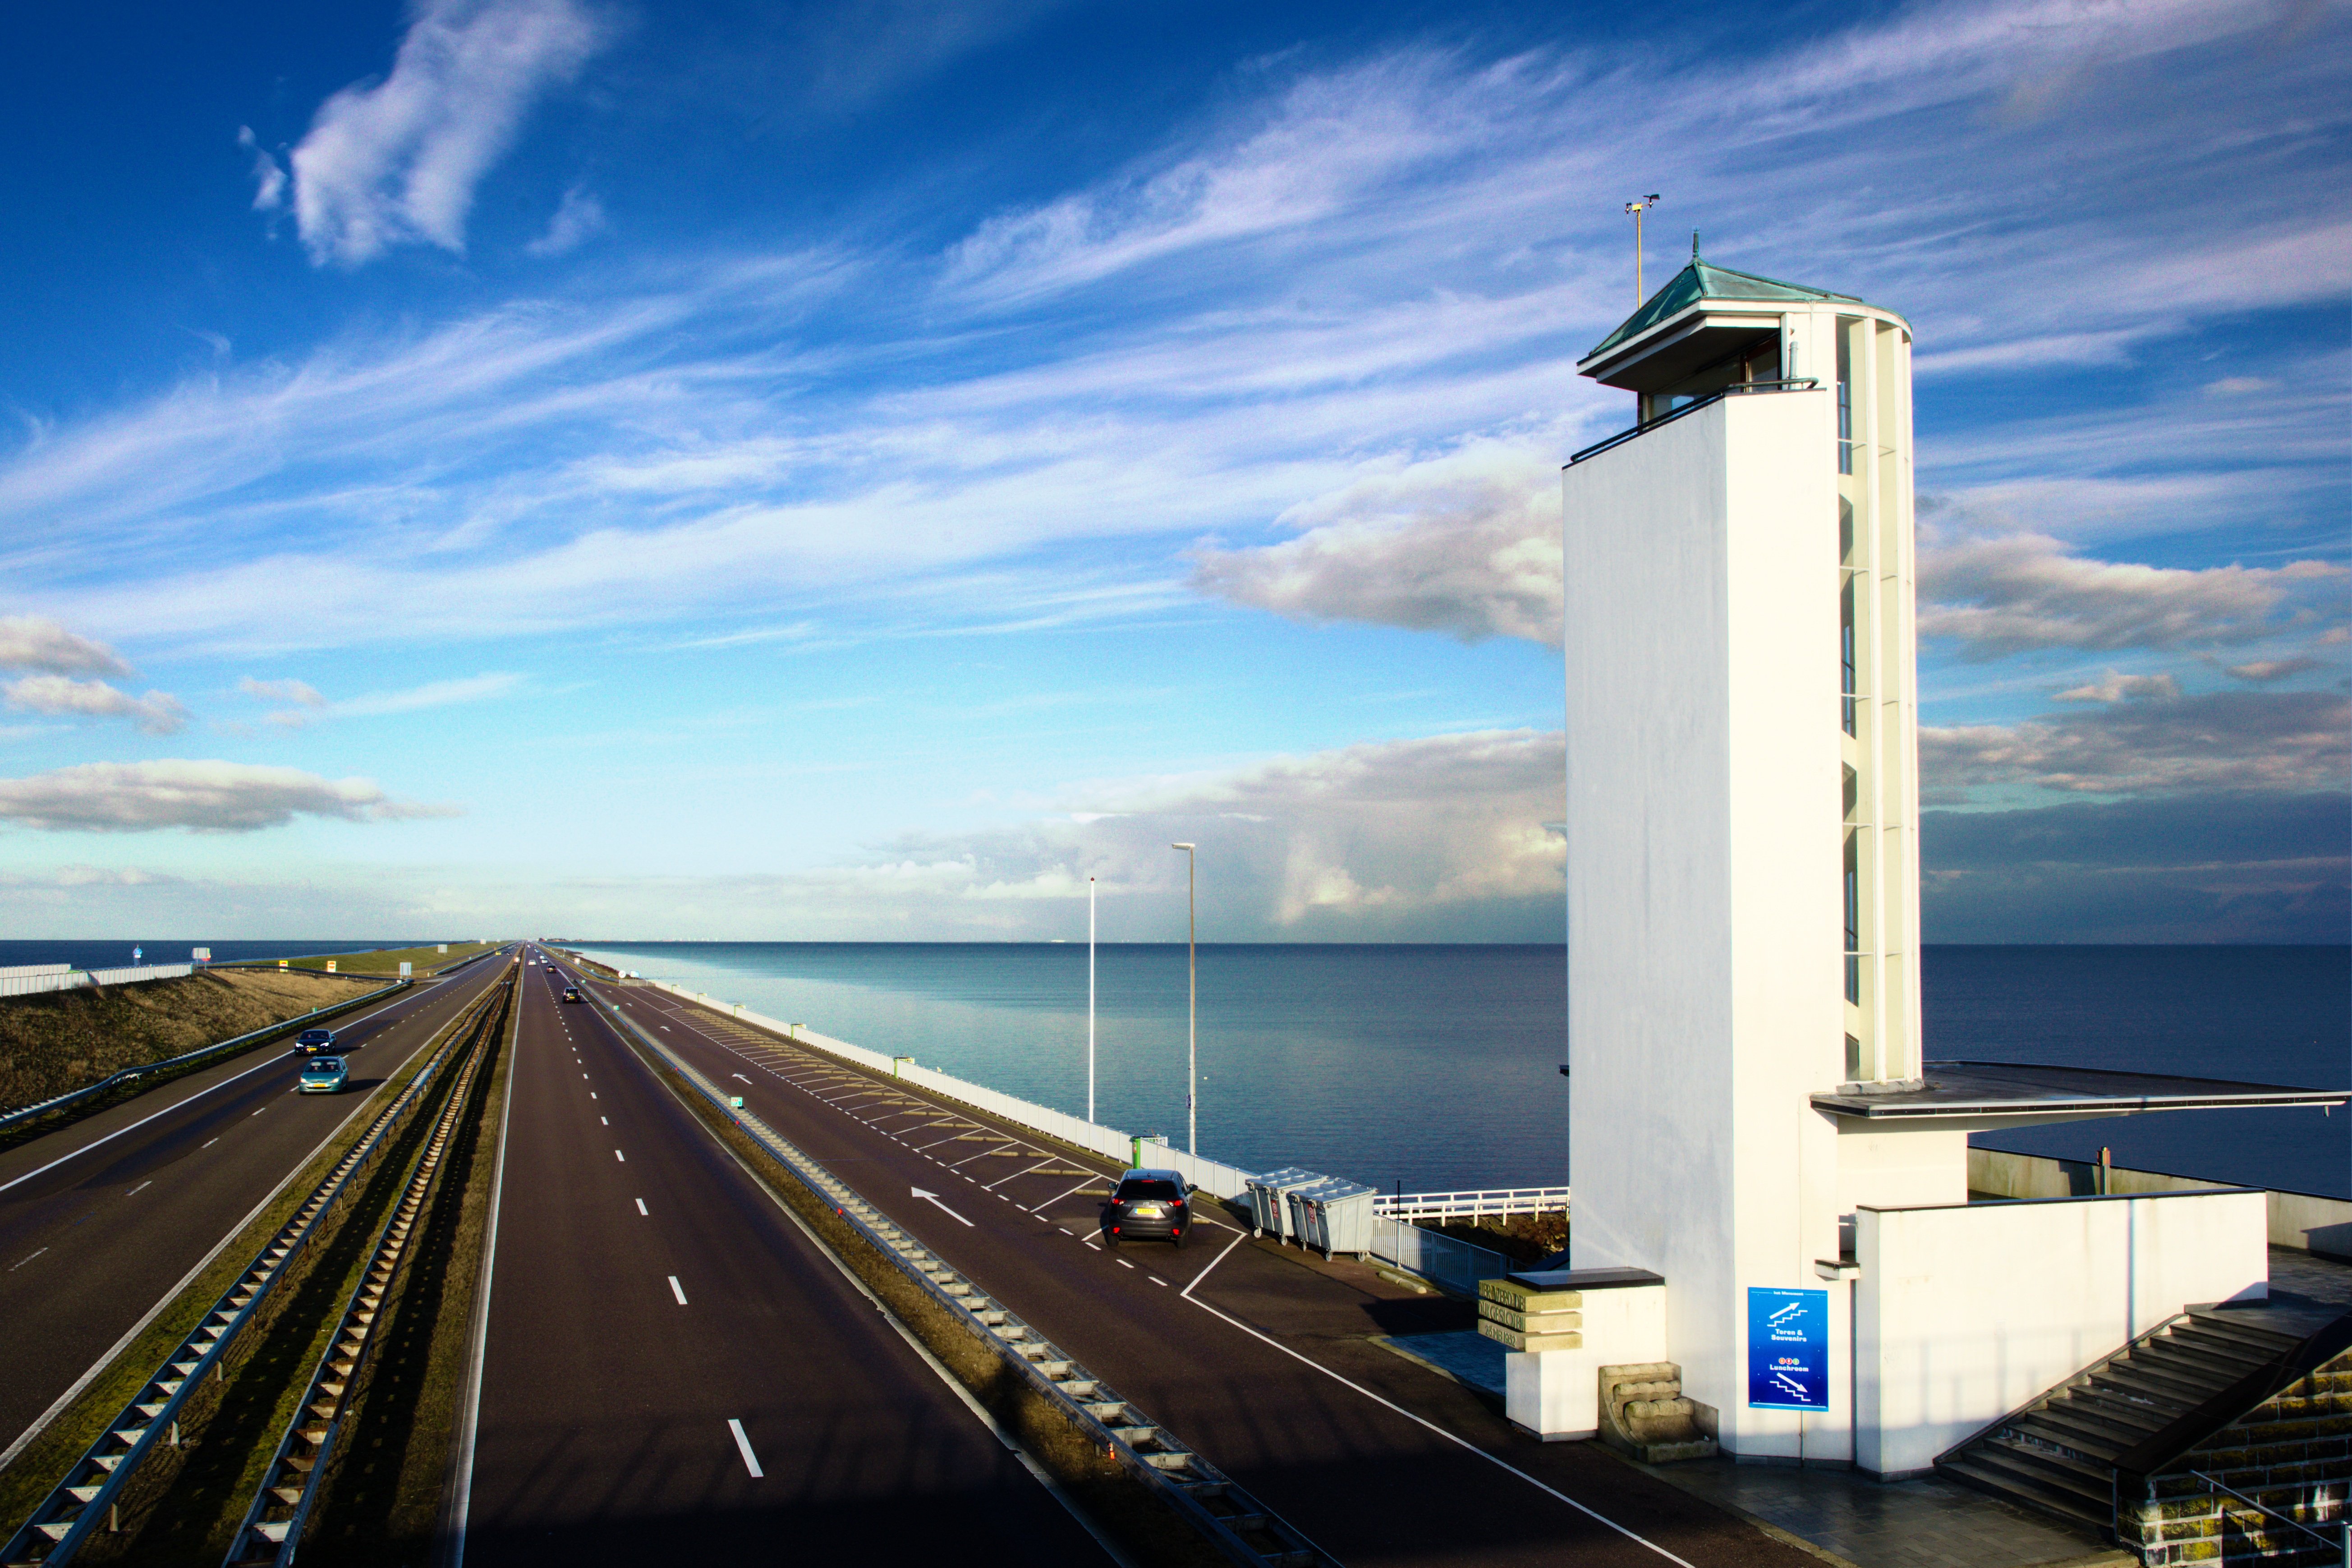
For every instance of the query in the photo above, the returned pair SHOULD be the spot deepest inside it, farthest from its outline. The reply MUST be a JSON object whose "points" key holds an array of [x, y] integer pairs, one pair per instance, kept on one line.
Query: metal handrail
{"points": [[2342, 1543], [1737, 388], [1489, 1201]]}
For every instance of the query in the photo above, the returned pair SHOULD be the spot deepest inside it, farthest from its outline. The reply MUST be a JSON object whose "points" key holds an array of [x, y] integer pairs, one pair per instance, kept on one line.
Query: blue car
{"points": [[323, 1075], [313, 1042]]}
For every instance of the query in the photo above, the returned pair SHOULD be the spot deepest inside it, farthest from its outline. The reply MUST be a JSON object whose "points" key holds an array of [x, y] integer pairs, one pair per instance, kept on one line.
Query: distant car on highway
{"points": [[1149, 1204], [570, 995], [323, 1075], [311, 1042]]}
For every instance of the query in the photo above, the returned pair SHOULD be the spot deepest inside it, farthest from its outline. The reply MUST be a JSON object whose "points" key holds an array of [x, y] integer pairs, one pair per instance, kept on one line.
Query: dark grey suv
{"points": [[1149, 1205]]}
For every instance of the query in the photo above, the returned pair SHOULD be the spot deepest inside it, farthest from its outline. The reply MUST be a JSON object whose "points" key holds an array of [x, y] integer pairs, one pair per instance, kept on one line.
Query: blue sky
{"points": [[757, 471]]}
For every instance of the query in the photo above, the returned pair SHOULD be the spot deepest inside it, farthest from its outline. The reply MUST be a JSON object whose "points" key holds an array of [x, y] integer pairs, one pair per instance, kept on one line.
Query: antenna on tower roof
{"points": [[1637, 209], [1693, 245]]}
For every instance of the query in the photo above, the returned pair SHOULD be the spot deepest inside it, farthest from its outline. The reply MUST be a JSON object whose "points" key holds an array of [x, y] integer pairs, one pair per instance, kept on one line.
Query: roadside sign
{"points": [[1788, 1349], [201, 954], [281, 963], [404, 969], [331, 966]]}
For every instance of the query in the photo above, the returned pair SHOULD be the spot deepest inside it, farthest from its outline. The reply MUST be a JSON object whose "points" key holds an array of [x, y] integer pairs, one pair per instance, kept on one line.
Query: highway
{"points": [[102, 1219], [1255, 1357], [673, 1371]]}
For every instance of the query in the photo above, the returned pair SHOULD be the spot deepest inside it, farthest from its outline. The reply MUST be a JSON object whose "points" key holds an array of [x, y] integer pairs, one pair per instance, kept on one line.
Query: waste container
{"points": [[1268, 1214], [1307, 1214], [1347, 1218]]}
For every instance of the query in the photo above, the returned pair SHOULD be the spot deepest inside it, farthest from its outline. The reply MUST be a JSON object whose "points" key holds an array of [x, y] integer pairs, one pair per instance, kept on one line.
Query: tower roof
{"points": [[1705, 280]]}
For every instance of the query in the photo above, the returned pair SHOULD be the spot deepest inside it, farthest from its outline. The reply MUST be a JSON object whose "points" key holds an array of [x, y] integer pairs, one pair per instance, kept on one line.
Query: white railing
{"points": [[1474, 1204]]}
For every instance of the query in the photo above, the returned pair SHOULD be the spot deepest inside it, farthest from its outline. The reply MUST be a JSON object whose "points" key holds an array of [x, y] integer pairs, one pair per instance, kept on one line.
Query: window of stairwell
{"points": [[1845, 401], [1845, 649], [1852, 920]]}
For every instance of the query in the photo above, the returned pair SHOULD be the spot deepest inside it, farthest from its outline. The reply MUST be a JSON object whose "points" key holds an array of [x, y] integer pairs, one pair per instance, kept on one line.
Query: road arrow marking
{"points": [[933, 1198]]}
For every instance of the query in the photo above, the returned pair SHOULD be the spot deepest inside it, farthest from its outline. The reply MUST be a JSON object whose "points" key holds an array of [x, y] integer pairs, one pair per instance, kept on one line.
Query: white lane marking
{"points": [[592, 1094], [140, 1188], [1057, 1197], [1220, 1257], [617, 1155], [207, 1144], [740, 1076], [641, 1208], [968, 1159], [605, 1120], [743, 1446], [1038, 1166], [584, 1075], [1449, 1436], [1123, 1263], [1065, 1230], [259, 1113], [1155, 1280], [933, 1199], [677, 1289], [27, 1258]]}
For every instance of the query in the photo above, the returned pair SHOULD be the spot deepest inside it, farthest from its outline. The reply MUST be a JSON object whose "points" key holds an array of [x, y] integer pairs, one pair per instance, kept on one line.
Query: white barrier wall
{"points": [[1225, 1181], [1963, 1314], [31, 979]]}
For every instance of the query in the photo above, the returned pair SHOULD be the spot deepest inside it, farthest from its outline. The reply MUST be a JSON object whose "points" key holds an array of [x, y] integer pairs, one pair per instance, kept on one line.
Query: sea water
{"points": [[1437, 1068]]}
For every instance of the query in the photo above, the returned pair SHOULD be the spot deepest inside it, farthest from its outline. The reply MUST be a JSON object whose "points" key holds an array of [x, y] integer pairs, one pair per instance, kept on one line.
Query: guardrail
{"points": [[88, 1494], [290, 1482], [1201, 1494], [1473, 1204], [188, 1059]]}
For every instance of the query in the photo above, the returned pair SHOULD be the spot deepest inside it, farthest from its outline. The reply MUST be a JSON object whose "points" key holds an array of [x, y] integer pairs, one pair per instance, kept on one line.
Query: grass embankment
{"points": [[1150, 1532], [191, 1516], [56, 1041], [30, 1476], [387, 960]]}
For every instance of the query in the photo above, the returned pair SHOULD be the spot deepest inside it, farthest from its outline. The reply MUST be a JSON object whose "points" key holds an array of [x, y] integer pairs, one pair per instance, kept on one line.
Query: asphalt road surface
{"points": [[1259, 1360], [672, 1372], [99, 1221]]}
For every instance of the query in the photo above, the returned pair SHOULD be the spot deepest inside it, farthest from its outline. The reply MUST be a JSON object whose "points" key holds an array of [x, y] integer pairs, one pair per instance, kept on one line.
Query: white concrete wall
{"points": [[2304, 1221], [1963, 1314], [1556, 1394], [1705, 977]]}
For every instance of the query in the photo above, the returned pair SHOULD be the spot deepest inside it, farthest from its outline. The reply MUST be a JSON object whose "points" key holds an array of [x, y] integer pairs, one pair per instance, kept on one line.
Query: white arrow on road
{"points": [[745, 1079], [933, 1198]]}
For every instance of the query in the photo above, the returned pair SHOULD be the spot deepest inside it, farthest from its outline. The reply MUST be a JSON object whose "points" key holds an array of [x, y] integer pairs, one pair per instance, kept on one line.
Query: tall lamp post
{"points": [[1191, 1011], [1090, 998]]}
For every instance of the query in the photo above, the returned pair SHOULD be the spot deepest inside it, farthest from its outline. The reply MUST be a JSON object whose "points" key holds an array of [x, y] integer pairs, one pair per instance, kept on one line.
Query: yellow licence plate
{"points": [[1146, 1211]]}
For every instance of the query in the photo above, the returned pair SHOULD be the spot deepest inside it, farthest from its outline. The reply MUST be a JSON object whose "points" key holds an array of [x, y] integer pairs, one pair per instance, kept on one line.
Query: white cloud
{"points": [[157, 713], [268, 173], [2117, 687], [282, 691], [32, 642], [1468, 544], [579, 219], [2266, 670], [2226, 741], [397, 161], [432, 694], [203, 796], [2025, 591]]}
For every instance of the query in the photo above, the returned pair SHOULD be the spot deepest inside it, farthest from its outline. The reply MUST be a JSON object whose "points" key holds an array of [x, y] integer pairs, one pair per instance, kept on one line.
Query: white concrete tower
{"points": [[1742, 809]]}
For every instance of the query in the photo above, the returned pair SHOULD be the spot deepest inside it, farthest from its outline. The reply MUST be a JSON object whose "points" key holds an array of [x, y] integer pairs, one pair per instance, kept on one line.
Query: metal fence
{"points": [[1445, 1262], [1473, 1204]]}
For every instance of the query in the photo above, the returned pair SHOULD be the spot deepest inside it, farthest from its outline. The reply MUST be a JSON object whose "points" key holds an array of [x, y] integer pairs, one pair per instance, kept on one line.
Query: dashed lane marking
{"points": [[677, 1289], [27, 1258], [743, 1446], [617, 1155], [140, 1188]]}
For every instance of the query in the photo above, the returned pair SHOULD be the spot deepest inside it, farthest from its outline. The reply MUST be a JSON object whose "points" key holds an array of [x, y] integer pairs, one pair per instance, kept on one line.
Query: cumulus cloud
{"points": [[33, 642], [2153, 743], [1997, 596], [282, 691], [203, 796], [1468, 544], [158, 712], [579, 219], [397, 161]]}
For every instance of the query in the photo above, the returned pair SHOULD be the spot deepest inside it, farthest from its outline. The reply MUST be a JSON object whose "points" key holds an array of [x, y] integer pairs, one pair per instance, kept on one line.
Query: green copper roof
{"points": [[1705, 280]]}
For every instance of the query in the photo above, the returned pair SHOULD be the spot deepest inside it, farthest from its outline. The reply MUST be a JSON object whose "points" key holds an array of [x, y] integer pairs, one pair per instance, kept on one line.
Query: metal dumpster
{"points": [[1333, 1216], [1269, 1216]]}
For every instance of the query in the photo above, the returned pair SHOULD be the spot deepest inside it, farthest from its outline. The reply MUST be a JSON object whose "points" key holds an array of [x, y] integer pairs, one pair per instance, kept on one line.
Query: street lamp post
{"points": [[1191, 1011], [1090, 998]]}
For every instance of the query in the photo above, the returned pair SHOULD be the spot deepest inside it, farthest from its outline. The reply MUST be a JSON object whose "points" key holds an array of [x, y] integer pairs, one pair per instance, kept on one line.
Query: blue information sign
{"points": [[1788, 1349]]}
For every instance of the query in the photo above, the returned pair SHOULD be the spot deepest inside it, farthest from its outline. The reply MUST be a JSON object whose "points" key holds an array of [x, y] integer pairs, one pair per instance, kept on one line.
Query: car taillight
{"points": [[1114, 1230]]}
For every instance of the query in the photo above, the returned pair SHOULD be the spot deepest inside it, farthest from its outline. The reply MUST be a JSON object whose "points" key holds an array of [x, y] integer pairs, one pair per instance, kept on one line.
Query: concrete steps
{"points": [[2058, 1455]]}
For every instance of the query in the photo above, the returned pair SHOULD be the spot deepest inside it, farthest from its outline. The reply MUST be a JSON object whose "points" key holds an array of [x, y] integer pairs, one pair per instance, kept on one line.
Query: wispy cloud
{"points": [[397, 161], [314, 707], [579, 219], [2146, 740], [203, 796]]}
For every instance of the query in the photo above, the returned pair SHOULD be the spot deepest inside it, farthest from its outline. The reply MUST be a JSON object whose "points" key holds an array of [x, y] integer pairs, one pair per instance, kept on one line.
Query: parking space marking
{"points": [[677, 1289], [743, 1446], [641, 1208]]}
